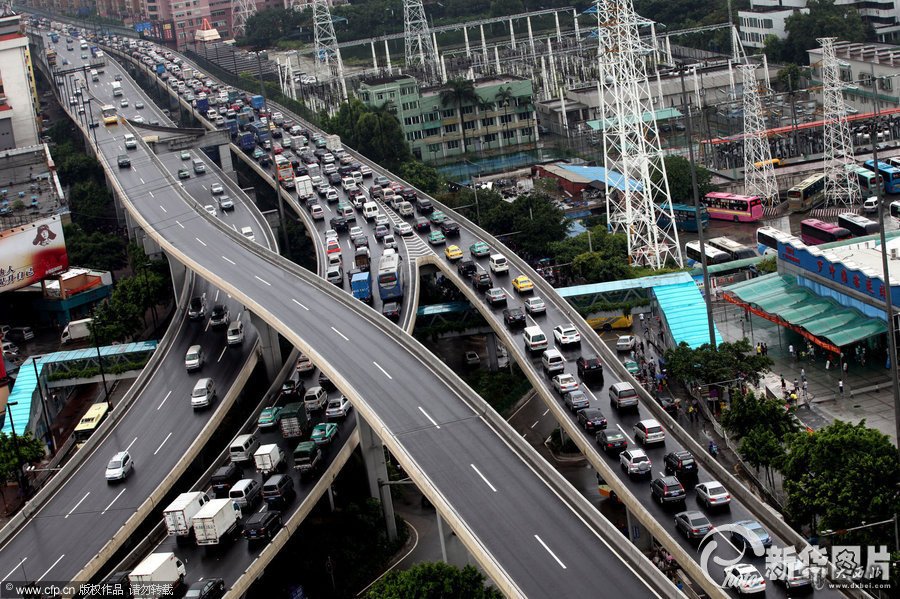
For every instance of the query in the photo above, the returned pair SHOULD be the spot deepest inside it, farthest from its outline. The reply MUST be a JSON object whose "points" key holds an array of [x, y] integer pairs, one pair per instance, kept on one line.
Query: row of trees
{"points": [[824, 19]]}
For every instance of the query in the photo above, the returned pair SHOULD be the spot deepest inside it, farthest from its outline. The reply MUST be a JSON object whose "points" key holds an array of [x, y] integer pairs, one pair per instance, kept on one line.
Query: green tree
{"points": [[790, 77], [30, 450], [504, 97], [824, 19], [424, 177], [92, 206], [678, 172], [532, 223], [763, 449], [103, 251], [265, 27], [374, 132], [842, 476], [595, 267], [433, 580], [746, 412], [726, 363], [456, 93], [77, 168]]}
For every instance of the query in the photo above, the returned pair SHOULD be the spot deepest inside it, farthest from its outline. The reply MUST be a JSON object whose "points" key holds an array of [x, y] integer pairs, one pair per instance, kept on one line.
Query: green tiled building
{"points": [[433, 130]]}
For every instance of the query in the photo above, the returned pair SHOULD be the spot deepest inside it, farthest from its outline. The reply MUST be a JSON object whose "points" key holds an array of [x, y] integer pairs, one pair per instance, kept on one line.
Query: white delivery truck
{"points": [[268, 458], [181, 512], [116, 89], [76, 330], [218, 519], [333, 142], [304, 187], [151, 577], [187, 73]]}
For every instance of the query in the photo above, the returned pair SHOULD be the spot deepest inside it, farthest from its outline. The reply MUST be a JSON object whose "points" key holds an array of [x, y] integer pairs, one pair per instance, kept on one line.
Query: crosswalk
{"points": [[416, 247], [832, 212]]}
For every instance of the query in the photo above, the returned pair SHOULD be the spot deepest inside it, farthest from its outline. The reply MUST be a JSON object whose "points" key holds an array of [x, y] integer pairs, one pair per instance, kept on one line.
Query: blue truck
{"points": [[203, 105], [244, 118], [361, 286], [257, 102], [246, 141], [54, 37], [160, 69], [260, 131], [232, 126]]}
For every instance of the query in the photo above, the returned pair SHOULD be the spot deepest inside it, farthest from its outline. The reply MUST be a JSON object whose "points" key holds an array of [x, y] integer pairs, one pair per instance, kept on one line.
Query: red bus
{"points": [[733, 207], [814, 232]]}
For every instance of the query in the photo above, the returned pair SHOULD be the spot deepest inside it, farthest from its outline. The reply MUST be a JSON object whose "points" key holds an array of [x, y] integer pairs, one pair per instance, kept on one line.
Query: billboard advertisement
{"points": [[31, 253]]}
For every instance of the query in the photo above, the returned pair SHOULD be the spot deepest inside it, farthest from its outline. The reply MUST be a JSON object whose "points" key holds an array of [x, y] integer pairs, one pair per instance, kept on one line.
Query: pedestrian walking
{"points": [[803, 374], [791, 351], [759, 349], [796, 385], [765, 348], [783, 385], [841, 388], [805, 391], [846, 366]]}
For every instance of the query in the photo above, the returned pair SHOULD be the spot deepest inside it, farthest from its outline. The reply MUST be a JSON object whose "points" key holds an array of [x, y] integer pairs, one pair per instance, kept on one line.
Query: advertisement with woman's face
{"points": [[32, 252]]}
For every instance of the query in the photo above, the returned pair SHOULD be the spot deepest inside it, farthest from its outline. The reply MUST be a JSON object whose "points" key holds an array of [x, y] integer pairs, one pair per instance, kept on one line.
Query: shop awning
{"points": [[821, 320]]}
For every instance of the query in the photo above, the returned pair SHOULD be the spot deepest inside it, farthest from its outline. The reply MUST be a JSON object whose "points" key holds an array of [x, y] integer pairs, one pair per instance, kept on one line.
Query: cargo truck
{"points": [[76, 330], [246, 141], [181, 512], [156, 575], [202, 105], [361, 286], [294, 422], [307, 458], [333, 142], [232, 126], [187, 73], [257, 102], [218, 519], [268, 458], [304, 187], [116, 88]]}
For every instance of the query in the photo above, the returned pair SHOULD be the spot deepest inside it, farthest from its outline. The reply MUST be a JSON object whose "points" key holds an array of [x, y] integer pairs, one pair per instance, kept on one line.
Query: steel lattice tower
{"points": [[243, 10], [420, 51], [327, 51], [759, 176], [631, 145], [841, 188]]}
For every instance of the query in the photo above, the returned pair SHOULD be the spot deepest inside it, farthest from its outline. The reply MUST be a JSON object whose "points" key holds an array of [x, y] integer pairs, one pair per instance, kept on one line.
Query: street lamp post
{"points": [[100, 360], [44, 409], [20, 472]]}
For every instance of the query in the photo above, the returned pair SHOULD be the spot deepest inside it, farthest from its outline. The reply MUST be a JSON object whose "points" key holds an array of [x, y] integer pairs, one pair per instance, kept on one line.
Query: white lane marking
{"points": [[299, 304], [619, 426], [384, 372], [164, 400], [44, 575], [130, 444], [234, 227], [544, 545], [161, 444], [535, 424], [217, 296], [229, 261], [263, 281], [11, 572], [588, 391], [239, 315], [201, 241], [208, 322], [163, 208], [344, 337], [142, 181], [151, 194], [204, 187], [76, 507], [424, 413], [484, 478], [529, 317], [112, 502], [179, 224], [545, 412], [222, 354]]}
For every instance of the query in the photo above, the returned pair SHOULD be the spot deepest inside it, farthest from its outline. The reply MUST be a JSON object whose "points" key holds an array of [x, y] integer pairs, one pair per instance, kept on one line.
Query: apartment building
{"points": [[18, 95], [871, 71]]}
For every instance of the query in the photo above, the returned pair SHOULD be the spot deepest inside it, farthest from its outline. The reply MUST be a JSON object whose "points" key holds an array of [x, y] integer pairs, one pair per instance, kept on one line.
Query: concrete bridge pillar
{"points": [[227, 162], [179, 271], [638, 535], [268, 344], [376, 472], [493, 358]]}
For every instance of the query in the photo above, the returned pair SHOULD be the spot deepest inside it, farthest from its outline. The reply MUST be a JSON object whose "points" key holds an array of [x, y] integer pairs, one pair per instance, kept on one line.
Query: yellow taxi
{"points": [[523, 284], [453, 253]]}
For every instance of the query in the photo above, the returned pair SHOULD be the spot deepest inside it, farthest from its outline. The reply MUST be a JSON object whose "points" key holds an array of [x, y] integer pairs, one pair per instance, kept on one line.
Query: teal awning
{"points": [[663, 114]]}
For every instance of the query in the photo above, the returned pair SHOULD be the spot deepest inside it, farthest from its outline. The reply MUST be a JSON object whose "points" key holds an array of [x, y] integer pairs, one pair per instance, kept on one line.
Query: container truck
{"points": [[307, 457], [268, 458], [202, 105], [304, 187], [257, 102], [218, 519], [187, 73], [116, 89], [333, 142], [246, 141], [361, 286], [294, 422], [232, 126], [244, 118], [76, 330], [155, 575], [181, 512]]}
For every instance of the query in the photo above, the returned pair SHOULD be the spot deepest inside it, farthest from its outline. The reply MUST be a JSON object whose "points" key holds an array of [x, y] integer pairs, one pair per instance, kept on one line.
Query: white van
{"points": [[553, 361], [243, 447], [193, 359], [130, 141], [235, 334], [370, 210], [535, 339], [95, 76], [499, 264], [203, 394], [245, 493], [348, 183], [623, 395]]}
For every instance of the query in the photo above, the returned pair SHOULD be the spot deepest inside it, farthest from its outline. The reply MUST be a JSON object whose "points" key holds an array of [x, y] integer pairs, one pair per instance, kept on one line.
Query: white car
{"points": [[247, 232], [563, 383], [649, 431], [216, 189], [123, 103], [403, 229], [210, 209], [225, 203], [635, 462], [138, 119], [119, 467], [304, 364], [535, 305], [356, 232], [712, 494], [625, 343], [745, 579], [870, 206], [566, 334], [139, 105], [10, 349], [382, 219], [337, 407]]}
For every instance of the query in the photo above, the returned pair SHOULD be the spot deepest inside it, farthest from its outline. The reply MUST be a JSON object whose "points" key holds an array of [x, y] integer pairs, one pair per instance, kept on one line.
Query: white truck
{"points": [[116, 89], [181, 512], [218, 519], [76, 330], [151, 577], [333, 142], [304, 186], [268, 458], [187, 73]]}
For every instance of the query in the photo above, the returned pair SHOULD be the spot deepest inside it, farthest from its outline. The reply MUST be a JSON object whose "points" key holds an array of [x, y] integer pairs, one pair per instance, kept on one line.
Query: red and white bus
{"points": [[733, 207], [815, 232]]}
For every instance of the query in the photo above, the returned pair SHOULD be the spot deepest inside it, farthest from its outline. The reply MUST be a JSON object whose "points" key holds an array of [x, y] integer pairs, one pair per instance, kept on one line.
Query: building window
{"points": [[364, 96], [413, 135], [453, 145], [490, 138], [885, 84], [379, 97], [468, 109], [489, 122], [432, 131], [434, 148], [430, 117], [510, 134], [469, 125], [412, 120], [526, 131], [451, 128], [410, 106], [506, 119], [448, 114], [524, 116], [846, 75]]}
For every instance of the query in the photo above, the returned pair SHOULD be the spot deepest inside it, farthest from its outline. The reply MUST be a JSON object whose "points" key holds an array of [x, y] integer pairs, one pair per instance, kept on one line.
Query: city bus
{"points": [[733, 207], [390, 283], [857, 225], [108, 113], [685, 217], [608, 320], [713, 255], [735, 250], [867, 179], [767, 239], [94, 417], [890, 174], [806, 193], [814, 232]]}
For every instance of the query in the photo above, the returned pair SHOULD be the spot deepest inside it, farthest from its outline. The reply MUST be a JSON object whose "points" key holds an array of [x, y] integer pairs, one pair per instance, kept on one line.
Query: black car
{"points": [[223, 478], [206, 589], [592, 420], [339, 224], [124, 161], [681, 464], [466, 268], [293, 387], [219, 316], [334, 178], [424, 206], [450, 228], [422, 225], [589, 368], [262, 526], [668, 403], [612, 441], [514, 317], [311, 201], [667, 490], [392, 311], [482, 281], [325, 382]]}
